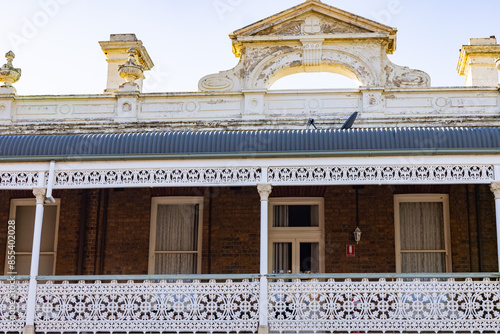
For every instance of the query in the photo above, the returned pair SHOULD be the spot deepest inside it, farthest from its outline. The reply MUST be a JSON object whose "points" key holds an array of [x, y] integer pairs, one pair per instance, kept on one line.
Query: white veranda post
{"points": [[39, 193], [264, 192], [495, 188]]}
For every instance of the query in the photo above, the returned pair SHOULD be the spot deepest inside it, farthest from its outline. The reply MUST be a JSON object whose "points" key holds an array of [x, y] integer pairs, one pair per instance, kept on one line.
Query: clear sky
{"points": [[56, 41]]}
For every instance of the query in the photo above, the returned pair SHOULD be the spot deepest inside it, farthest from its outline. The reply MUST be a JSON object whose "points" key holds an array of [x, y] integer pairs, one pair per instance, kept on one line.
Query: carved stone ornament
{"points": [[264, 191], [130, 71], [495, 189], [497, 63], [9, 74]]}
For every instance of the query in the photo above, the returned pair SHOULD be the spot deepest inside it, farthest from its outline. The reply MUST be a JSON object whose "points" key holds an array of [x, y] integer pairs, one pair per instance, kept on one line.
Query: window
{"points": [[22, 211], [296, 241], [175, 242], [422, 233]]}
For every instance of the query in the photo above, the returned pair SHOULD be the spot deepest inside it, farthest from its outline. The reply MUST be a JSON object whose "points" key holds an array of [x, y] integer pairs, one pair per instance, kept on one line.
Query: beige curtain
{"points": [[422, 228], [176, 231], [282, 257], [280, 216]]}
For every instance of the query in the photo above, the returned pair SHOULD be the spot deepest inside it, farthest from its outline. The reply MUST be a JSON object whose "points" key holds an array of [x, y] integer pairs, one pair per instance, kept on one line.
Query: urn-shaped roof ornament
{"points": [[130, 71], [8, 73]]}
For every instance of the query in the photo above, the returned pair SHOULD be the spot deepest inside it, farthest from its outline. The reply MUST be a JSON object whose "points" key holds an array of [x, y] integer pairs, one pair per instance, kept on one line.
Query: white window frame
{"points": [[426, 198], [14, 203], [173, 200], [296, 235]]}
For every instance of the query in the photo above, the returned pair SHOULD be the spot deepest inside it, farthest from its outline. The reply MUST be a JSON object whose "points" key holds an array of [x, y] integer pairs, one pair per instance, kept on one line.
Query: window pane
{"points": [[423, 263], [45, 268], [177, 227], [282, 257], [23, 263], [295, 215], [25, 224], [48, 228], [25, 218], [174, 264], [422, 226], [309, 257]]}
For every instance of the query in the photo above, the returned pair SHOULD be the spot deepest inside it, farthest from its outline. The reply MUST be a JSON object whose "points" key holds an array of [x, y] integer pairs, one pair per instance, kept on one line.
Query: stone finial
{"points": [[130, 71], [8, 73]]}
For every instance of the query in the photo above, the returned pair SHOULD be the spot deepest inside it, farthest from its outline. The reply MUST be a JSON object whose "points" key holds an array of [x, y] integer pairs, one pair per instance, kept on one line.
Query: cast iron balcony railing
{"points": [[326, 303]]}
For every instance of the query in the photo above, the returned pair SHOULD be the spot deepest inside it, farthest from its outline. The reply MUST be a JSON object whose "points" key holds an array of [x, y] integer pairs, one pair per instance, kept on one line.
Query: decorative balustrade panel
{"points": [[376, 174], [144, 177], [381, 306], [14, 295], [148, 306], [18, 179]]}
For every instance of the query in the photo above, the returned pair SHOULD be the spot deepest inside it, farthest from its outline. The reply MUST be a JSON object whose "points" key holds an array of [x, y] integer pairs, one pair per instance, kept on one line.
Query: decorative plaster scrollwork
{"points": [[405, 77], [216, 82]]}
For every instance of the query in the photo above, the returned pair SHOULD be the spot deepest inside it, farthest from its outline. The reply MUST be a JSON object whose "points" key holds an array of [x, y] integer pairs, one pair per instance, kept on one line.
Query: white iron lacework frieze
{"points": [[18, 179], [181, 306], [377, 174], [379, 306], [178, 176], [14, 295]]}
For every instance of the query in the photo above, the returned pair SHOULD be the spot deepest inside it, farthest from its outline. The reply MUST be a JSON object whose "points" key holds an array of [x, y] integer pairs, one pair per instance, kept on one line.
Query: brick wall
{"points": [[375, 251], [235, 231]]}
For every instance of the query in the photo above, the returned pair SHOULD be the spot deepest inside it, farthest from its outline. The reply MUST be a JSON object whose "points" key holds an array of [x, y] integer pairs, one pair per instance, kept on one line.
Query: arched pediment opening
{"points": [[276, 67], [315, 80]]}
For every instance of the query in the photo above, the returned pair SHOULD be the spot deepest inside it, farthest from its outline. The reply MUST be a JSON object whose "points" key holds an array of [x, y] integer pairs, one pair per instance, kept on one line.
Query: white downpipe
{"points": [[264, 191], [39, 193], [50, 182]]}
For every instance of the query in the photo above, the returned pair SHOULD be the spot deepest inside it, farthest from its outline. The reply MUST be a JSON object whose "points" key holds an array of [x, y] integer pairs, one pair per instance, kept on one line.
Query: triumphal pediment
{"points": [[314, 37]]}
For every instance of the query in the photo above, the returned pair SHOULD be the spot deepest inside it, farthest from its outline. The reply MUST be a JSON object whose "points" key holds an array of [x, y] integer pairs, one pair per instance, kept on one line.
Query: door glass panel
{"points": [[309, 257], [295, 215], [282, 257]]}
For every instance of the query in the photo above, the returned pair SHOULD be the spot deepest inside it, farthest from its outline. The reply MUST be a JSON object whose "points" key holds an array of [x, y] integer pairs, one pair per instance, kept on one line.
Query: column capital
{"points": [[39, 194], [264, 191], [495, 189]]}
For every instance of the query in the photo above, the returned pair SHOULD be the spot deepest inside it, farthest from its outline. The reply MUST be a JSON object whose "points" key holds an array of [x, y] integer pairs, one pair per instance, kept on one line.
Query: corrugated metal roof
{"points": [[210, 142]]}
